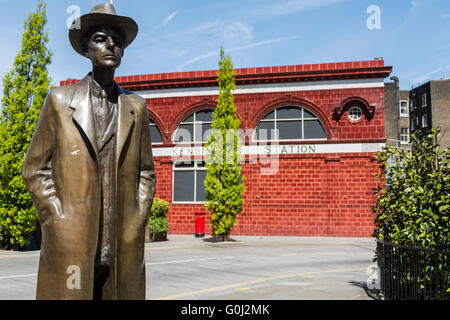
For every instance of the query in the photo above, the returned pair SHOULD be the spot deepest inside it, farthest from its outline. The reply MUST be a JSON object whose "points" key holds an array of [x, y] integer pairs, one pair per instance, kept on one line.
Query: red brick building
{"points": [[311, 177]]}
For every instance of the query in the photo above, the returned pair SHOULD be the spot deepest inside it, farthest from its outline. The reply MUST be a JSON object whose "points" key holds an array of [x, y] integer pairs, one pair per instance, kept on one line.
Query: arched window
{"points": [[290, 123], [195, 128], [155, 133]]}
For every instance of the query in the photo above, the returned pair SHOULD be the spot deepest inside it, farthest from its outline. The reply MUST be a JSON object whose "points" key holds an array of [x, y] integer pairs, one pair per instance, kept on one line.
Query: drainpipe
{"points": [[397, 106]]}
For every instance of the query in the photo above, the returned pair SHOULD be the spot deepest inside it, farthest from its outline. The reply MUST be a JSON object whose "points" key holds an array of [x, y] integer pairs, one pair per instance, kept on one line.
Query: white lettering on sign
{"points": [[290, 149]]}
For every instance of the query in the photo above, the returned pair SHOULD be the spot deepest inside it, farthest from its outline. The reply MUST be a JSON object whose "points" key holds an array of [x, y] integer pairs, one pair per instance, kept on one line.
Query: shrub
{"points": [[413, 209], [158, 221], [413, 203]]}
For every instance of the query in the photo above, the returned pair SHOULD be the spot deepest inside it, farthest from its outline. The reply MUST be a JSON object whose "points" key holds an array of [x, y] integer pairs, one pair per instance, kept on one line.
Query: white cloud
{"points": [[247, 46], [166, 20], [292, 6], [428, 75], [238, 32]]}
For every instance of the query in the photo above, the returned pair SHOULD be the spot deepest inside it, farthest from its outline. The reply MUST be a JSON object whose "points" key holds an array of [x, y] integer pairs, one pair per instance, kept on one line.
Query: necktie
{"points": [[104, 110]]}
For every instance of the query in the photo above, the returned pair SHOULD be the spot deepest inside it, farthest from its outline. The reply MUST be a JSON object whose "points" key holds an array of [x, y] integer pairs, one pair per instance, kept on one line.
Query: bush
{"points": [[158, 221], [413, 209], [413, 203]]}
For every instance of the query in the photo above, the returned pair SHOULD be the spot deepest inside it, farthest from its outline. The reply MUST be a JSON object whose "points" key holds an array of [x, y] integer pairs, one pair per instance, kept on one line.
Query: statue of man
{"points": [[89, 170]]}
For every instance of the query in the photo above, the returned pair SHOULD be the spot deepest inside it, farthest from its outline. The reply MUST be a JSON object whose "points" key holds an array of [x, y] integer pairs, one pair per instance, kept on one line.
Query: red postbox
{"points": [[199, 224]]}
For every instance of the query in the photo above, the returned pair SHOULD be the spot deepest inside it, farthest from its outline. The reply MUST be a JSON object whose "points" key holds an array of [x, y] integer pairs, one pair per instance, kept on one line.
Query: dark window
{"points": [[188, 182], [155, 134]]}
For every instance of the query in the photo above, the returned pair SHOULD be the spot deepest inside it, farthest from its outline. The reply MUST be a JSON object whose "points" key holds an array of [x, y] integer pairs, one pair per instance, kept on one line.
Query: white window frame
{"points": [[193, 123], [302, 119], [360, 113], [195, 168], [424, 100], [424, 121], [403, 135], [406, 113]]}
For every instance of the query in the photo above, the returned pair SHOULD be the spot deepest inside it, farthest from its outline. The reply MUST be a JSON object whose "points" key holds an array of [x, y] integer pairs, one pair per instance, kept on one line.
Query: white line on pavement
{"points": [[324, 253], [190, 260], [20, 276]]}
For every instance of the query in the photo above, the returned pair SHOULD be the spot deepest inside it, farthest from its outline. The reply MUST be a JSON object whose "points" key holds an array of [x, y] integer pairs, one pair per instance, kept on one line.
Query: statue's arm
{"points": [[147, 177], [37, 168]]}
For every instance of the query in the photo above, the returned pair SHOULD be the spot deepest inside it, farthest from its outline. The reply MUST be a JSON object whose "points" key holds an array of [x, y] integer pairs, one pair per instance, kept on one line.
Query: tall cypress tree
{"points": [[224, 181], [24, 90]]}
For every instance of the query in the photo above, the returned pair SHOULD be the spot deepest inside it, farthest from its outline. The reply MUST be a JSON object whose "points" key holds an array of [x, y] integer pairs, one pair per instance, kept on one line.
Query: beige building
{"points": [[396, 114], [422, 108]]}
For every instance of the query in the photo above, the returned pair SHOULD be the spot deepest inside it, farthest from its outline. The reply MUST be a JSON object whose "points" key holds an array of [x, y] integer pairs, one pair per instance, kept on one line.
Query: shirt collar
{"points": [[96, 89]]}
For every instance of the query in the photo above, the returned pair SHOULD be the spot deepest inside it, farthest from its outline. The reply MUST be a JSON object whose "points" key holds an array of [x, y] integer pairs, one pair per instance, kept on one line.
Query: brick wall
{"points": [[311, 195]]}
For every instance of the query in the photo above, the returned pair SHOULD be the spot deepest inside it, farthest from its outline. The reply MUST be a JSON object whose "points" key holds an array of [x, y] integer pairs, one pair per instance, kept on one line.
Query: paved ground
{"points": [[189, 268]]}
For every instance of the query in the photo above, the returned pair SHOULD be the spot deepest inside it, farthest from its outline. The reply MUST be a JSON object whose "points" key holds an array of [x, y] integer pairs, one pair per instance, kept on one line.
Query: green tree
{"points": [[24, 90], [412, 200], [224, 181]]}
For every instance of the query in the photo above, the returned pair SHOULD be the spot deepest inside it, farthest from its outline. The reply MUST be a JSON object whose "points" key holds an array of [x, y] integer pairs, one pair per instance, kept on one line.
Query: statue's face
{"points": [[105, 48]]}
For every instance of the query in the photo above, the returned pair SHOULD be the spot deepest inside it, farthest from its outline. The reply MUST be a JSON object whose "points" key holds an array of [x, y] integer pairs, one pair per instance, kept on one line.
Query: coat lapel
{"points": [[125, 121], [83, 114], [84, 117]]}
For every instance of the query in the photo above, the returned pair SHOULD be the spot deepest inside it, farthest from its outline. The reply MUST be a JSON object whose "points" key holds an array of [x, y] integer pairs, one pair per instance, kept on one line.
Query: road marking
{"points": [[324, 253], [20, 276], [189, 260], [243, 243], [19, 256], [251, 282]]}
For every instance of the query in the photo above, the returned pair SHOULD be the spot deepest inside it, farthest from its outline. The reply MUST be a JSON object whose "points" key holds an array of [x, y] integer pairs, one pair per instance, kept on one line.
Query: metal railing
{"points": [[412, 273]]}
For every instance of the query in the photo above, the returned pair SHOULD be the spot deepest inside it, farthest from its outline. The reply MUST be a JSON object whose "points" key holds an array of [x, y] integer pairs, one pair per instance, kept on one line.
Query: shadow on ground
{"points": [[375, 294], [219, 239]]}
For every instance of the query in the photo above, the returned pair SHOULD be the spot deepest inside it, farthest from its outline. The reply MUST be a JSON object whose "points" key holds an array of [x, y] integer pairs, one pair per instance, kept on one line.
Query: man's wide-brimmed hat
{"points": [[101, 15]]}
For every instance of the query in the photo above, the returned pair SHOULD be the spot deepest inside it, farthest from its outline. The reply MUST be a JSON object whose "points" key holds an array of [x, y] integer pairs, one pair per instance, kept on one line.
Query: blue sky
{"points": [[178, 35]]}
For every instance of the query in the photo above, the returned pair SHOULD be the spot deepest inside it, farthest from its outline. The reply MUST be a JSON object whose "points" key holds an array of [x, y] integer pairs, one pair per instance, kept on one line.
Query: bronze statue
{"points": [[89, 170]]}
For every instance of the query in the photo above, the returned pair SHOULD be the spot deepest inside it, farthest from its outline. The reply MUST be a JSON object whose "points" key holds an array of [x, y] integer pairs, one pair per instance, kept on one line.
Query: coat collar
{"points": [[84, 117]]}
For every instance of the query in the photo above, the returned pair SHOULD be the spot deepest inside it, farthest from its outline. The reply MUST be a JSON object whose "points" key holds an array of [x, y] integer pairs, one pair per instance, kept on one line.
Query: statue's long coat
{"points": [[62, 176]]}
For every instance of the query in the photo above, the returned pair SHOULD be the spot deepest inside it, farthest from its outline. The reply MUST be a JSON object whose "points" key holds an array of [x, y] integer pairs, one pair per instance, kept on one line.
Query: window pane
{"points": [[308, 114], [264, 131], [202, 131], [289, 130], [201, 195], [189, 118], [289, 113], [184, 133], [270, 115], [314, 130], [204, 115], [155, 134], [183, 182]]}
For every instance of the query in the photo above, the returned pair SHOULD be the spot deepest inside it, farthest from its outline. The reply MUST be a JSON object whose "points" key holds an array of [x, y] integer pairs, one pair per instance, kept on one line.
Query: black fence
{"points": [[411, 273]]}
